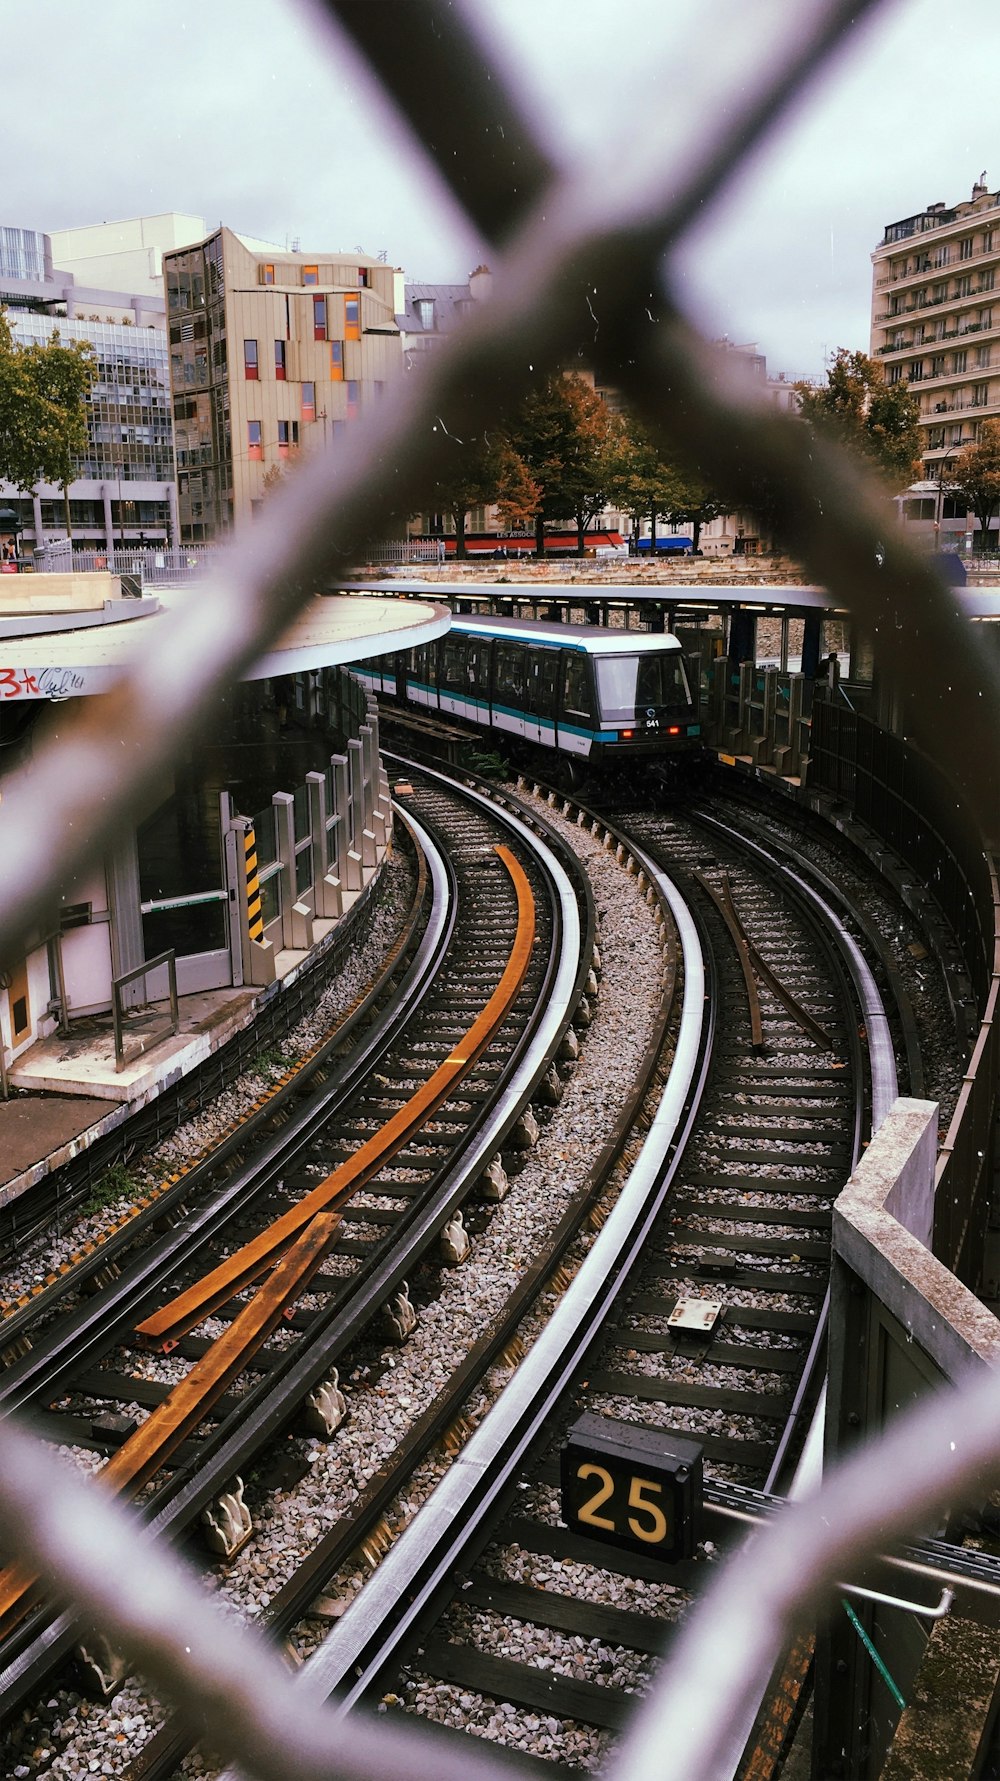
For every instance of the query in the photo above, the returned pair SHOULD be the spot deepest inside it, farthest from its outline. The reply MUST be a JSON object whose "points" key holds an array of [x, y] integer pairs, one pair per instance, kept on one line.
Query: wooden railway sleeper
{"points": [[373, 1549]]}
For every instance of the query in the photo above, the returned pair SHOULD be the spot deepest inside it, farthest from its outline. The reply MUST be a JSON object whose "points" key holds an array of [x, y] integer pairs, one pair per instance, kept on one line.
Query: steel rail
{"points": [[266, 1407], [162, 1754], [724, 906], [194, 1175], [883, 1092], [876, 945], [723, 431], [164, 1327], [379, 1620], [53, 1202], [355, 1654], [84, 1330], [141, 1455], [881, 1051], [762, 969]]}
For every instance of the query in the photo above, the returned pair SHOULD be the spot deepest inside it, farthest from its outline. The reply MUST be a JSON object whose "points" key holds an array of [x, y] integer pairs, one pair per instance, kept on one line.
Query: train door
{"points": [[508, 687], [541, 691]]}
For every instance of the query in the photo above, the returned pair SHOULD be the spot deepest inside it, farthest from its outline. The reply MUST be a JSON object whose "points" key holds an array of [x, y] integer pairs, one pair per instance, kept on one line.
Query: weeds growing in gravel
{"points": [[117, 1183]]}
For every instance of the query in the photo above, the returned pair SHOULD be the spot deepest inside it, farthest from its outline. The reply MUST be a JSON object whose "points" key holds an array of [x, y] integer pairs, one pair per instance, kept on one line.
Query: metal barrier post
{"points": [[356, 774], [326, 880], [369, 841], [296, 918], [117, 985]]}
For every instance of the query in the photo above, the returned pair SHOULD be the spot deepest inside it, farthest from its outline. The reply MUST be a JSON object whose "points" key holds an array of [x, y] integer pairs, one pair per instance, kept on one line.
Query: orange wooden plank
{"points": [[164, 1327], [138, 1458]]}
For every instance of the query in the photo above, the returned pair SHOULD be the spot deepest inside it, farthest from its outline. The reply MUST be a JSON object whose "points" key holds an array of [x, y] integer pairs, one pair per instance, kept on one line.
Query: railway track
{"points": [[705, 1323], [737, 1246], [89, 1364]]}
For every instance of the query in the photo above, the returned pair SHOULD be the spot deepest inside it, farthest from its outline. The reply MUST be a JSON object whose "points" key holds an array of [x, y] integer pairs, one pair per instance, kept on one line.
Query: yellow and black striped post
{"points": [[255, 914]]}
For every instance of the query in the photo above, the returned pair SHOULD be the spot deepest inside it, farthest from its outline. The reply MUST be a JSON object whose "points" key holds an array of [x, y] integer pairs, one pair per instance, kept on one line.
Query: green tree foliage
{"points": [[61, 377], [567, 441], [975, 475], [20, 424], [473, 476], [874, 419], [43, 415], [649, 487]]}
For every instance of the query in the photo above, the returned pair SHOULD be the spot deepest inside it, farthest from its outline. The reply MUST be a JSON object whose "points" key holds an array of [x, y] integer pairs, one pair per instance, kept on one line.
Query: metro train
{"points": [[595, 697]]}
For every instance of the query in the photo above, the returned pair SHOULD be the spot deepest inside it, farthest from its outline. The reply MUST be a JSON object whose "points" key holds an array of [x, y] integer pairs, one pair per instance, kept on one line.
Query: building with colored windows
{"points": [[271, 354], [936, 323]]}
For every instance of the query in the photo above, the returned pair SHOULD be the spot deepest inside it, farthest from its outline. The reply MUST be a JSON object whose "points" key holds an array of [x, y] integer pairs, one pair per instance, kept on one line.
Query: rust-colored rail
{"points": [[182, 1313], [138, 1458]]}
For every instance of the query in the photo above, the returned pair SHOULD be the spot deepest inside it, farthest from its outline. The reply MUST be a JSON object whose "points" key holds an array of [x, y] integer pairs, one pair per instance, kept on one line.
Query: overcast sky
{"points": [[241, 112]]}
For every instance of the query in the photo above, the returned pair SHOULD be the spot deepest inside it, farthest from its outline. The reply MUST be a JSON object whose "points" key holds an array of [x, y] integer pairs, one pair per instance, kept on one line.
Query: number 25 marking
{"points": [[588, 1510], [653, 1530]]}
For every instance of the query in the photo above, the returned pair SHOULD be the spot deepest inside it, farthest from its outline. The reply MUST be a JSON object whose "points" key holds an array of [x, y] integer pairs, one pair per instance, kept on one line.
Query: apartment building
{"points": [[936, 319], [272, 353]]}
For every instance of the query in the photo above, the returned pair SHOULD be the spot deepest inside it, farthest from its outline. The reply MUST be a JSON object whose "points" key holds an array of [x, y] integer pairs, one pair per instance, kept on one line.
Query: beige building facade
{"points": [[272, 354], [936, 319], [125, 255]]}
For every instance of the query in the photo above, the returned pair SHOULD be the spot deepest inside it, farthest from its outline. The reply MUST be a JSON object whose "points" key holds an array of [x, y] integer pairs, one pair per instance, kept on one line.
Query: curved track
{"points": [[490, 1613], [91, 1360]]}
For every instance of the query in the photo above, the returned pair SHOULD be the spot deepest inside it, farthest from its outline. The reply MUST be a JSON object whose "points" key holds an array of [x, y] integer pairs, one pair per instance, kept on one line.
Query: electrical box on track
{"points": [[639, 1489]]}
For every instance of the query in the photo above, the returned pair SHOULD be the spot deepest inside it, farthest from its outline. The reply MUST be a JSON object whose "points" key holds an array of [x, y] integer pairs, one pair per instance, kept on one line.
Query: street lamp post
{"points": [[944, 465]]}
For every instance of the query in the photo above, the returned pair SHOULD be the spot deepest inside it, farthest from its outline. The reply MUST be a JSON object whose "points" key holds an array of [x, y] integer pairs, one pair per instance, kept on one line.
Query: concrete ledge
{"points": [[59, 592], [881, 1225]]}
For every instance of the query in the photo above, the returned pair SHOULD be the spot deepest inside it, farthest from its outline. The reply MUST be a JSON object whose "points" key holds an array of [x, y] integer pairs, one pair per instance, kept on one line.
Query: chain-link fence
{"points": [[564, 252]]}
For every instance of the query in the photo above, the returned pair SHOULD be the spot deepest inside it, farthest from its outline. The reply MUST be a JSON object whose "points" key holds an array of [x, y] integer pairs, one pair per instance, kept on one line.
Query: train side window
{"points": [[576, 695], [508, 674], [478, 667], [453, 674]]}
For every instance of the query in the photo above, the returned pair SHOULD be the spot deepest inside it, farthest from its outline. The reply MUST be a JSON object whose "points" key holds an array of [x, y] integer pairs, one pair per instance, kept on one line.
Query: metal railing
{"points": [[119, 983], [567, 251], [154, 565]]}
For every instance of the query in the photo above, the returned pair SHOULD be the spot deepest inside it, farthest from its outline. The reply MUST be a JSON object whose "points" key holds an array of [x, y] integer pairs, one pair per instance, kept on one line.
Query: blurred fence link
{"points": [[572, 260]]}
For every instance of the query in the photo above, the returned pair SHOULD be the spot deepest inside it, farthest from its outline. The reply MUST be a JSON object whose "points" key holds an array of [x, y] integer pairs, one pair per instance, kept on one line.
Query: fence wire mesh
{"points": [[570, 257]]}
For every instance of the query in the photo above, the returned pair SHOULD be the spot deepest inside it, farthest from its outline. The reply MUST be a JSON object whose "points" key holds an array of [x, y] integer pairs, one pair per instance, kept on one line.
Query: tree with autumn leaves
{"points": [[975, 476], [566, 456], [650, 487], [43, 416], [877, 421], [568, 443]]}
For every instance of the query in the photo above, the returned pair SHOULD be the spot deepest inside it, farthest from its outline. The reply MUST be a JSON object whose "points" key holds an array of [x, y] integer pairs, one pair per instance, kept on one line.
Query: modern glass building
{"points": [[123, 494]]}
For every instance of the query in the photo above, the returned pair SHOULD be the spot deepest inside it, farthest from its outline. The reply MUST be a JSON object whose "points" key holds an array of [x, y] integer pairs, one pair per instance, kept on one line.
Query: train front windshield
{"points": [[630, 688]]}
